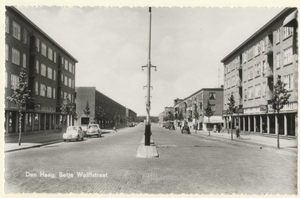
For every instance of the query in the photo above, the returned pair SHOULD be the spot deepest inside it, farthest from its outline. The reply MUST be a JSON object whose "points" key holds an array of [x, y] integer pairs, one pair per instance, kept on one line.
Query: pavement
{"points": [[287, 144], [36, 139]]}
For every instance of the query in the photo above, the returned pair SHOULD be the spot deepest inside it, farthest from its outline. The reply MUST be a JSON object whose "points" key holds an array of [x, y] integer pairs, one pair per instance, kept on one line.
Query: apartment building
{"points": [[191, 109], [103, 110], [251, 71], [46, 64]]}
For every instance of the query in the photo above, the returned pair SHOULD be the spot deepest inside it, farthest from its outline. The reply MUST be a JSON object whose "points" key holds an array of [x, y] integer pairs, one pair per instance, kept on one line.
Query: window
{"points": [[73, 69], [44, 50], [37, 66], [65, 95], [212, 96], [70, 82], [73, 84], [43, 70], [277, 60], [15, 58], [277, 36], [245, 56], [250, 54], [54, 75], [257, 49], [49, 73], [69, 96], [14, 81], [54, 57], [70, 67], [36, 88], [263, 47], [24, 61], [289, 80], [37, 45], [66, 64], [16, 31], [62, 78], [66, 81], [6, 77], [264, 89], [25, 36], [245, 94], [42, 90], [257, 69], [257, 91], [61, 94], [264, 66], [6, 52], [250, 96], [287, 32], [54, 93], [50, 53], [6, 24], [49, 92], [62, 61], [287, 53]]}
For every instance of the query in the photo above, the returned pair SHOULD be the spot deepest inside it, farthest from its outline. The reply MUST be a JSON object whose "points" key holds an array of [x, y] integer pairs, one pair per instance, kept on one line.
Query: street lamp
{"points": [[148, 103]]}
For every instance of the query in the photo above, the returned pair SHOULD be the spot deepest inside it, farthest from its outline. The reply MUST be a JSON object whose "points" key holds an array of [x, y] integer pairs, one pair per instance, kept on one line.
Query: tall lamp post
{"points": [[148, 103]]}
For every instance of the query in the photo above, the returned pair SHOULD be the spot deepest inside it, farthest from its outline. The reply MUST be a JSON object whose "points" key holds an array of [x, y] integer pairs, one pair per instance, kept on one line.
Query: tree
{"points": [[208, 112], [67, 108], [21, 96], [99, 114], [279, 99], [230, 111], [86, 110], [196, 116]]}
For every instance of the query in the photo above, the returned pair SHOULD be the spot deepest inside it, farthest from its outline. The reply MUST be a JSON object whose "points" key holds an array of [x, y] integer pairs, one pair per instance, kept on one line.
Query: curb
{"points": [[253, 144], [35, 146]]}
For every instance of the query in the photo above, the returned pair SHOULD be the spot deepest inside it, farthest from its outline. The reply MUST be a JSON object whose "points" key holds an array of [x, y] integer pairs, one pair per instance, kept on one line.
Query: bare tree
{"points": [[208, 112]]}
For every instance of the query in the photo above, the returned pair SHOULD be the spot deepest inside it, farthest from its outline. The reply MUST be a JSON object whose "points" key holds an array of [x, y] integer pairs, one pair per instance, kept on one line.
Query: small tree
{"points": [[279, 99], [21, 96], [67, 108], [208, 112], [231, 110], [196, 116], [86, 110]]}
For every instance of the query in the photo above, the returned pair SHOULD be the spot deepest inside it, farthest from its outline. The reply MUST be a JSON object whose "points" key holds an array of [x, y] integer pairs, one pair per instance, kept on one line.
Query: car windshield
{"points": [[93, 127], [71, 129]]}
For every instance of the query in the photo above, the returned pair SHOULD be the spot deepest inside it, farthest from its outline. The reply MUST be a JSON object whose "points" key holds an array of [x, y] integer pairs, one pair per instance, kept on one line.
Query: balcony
{"points": [[239, 83], [268, 73], [269, 48], [269, 95]]}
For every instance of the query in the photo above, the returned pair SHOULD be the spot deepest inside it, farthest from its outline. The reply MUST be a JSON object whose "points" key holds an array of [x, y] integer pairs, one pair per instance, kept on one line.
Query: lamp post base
{"points": [[147, 134]]}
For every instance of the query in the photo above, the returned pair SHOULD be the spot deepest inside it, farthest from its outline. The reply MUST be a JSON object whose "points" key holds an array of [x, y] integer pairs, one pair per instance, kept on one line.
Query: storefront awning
{"points": [[288, 21], [213, 119]]}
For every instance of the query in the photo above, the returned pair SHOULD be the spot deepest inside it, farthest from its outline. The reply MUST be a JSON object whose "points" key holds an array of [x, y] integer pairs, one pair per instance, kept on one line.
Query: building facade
{"points": [[46, 64], [165, 113], [192, 109], [103, 110], [251, 71]]}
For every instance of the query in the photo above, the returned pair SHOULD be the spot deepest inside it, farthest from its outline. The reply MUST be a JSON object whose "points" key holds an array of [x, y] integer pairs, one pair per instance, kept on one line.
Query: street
{"points": [[186, 164]]}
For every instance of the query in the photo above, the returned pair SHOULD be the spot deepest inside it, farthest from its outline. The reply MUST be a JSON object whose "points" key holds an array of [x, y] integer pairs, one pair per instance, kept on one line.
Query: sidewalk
{"points": [[36, 139], [288, 144]]}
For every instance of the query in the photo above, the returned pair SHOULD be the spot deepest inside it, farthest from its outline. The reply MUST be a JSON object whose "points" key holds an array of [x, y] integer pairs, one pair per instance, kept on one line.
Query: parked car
{"points": [[73, 133], [185, 129], [93, 129]]}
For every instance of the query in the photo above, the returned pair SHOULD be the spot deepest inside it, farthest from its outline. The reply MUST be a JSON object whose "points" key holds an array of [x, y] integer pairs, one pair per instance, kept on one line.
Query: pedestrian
{"points": [[115, 129], [237, 131], [219, 128], [215, 128]]}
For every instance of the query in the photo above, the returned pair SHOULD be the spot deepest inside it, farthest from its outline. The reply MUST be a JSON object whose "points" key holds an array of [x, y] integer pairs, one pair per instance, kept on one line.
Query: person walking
{"points": [[237, 131]]}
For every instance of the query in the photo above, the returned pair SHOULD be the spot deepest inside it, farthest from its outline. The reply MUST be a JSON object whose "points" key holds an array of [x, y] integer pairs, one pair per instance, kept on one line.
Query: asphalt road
{"points": [[186, 164]]}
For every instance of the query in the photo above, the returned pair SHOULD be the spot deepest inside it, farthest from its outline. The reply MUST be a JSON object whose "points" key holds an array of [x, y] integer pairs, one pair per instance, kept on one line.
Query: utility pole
{"points": [[148, 103]]}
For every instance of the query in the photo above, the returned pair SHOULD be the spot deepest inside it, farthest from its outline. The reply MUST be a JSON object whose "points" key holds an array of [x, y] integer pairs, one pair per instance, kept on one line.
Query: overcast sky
{"points": [[111, 45]]}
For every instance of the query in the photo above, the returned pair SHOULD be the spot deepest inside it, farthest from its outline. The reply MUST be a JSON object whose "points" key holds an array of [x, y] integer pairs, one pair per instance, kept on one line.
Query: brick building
{"points": [[103, 110], [251, 70], [191, 109], [50, 70]]}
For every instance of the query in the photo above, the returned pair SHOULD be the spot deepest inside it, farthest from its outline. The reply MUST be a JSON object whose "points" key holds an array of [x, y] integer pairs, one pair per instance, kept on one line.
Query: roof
{"points": [[266, 26], [20, 14]]}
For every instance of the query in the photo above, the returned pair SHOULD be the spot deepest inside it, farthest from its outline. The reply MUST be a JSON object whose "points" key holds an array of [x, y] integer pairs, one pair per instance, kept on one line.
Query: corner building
{"points": [[250, 73], [50, 71]]}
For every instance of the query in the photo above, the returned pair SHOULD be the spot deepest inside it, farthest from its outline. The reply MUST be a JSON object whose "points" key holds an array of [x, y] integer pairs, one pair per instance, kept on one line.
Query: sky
{"points": [[111, 44]]}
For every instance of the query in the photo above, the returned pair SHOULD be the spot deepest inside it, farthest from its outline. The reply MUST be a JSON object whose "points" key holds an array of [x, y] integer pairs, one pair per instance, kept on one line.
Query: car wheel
{"points": [[78, 138], [65, 140]]}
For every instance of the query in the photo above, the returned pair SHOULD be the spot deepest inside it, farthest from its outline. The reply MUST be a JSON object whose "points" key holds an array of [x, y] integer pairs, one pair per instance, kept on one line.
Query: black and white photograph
{"points": [[150, 99]]}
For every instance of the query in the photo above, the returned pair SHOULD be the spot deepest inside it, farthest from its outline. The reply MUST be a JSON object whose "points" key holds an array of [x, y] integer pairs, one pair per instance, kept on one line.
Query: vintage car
{"points": [[73, 133], [93, 130]]}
